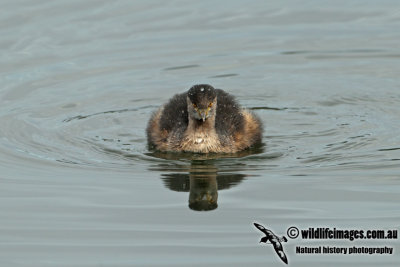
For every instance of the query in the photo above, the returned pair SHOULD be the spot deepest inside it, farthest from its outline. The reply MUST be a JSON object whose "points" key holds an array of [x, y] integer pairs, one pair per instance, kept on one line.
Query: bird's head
{"points": [[202, 102], [264, 239]]}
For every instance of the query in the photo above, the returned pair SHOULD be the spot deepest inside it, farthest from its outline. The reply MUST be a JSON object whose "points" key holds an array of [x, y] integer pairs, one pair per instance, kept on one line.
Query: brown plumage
{"points": [[203, 120]]}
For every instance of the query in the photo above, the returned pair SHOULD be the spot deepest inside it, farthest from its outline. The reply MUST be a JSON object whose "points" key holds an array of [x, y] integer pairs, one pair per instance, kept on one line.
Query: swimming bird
{"points": [[274, 240], [203, 120]]}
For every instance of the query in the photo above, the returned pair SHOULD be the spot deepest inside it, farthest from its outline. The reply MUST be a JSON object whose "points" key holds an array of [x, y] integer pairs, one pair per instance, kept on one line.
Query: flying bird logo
{"points": [[274, 240]]}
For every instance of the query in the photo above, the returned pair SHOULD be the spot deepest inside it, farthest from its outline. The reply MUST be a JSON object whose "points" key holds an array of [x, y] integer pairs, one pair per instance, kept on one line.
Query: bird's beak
{"points": [[203, 114]]}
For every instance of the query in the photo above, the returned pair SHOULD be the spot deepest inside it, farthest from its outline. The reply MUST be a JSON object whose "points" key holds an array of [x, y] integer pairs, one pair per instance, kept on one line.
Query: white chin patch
{"points": [[199, 140]]}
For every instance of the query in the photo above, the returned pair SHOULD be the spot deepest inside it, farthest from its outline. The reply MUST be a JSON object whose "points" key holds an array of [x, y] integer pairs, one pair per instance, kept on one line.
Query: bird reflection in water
{"points": [[202, 182], [203, 194], [204, 177]]}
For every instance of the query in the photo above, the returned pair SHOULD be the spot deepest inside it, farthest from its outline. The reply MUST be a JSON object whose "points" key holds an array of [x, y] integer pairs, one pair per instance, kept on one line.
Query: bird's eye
{"points": [[210, 105], [194, 105]]}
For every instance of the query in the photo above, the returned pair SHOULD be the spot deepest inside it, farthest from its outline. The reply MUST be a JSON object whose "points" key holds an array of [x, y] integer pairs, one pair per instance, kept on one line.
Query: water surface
{"points": [[80, 79]]}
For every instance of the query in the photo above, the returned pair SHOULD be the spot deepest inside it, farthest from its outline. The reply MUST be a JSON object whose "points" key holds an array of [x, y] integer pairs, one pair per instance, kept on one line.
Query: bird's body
{"points": [[203, 120]]}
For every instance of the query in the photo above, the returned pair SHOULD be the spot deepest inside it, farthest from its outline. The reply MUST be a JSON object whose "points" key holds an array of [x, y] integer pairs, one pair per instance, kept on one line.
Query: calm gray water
{"points": [[79, 80]]}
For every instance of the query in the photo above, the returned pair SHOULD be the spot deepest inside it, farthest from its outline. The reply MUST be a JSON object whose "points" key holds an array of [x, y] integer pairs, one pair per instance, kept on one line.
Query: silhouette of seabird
{"points": [[274, 240]]}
